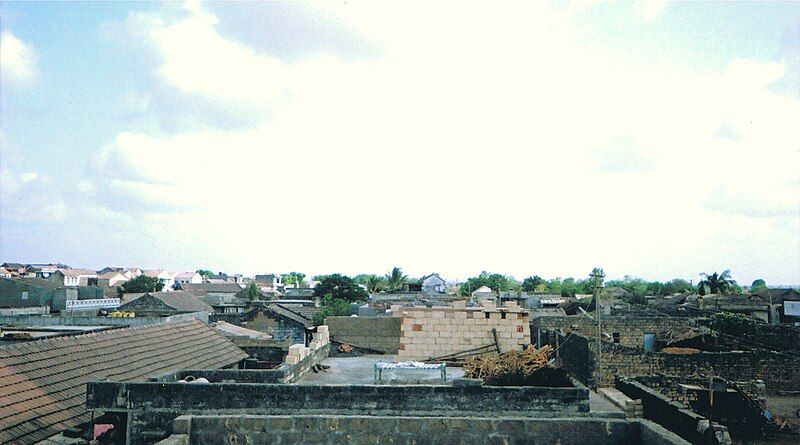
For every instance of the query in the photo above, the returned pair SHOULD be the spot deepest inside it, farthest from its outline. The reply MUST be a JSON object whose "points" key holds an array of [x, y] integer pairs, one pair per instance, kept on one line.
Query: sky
{"points": [[652, 139]]}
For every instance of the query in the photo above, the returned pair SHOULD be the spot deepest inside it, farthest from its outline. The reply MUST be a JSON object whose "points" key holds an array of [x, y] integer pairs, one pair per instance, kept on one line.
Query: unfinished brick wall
{"points": [[427, 333]]}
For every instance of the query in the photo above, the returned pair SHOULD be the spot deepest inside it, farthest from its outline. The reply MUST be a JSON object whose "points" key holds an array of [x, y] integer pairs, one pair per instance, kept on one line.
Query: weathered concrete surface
{"points": [[335, 429], [358, 371]]}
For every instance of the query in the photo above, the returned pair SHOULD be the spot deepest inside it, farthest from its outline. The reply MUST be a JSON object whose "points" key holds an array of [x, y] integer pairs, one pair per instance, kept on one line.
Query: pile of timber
{"points": [[511, 366]]}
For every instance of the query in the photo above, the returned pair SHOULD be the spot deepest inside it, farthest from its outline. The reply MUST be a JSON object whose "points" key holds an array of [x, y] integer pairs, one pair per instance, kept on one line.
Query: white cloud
{"points": [[17, 60], [482, 135]]}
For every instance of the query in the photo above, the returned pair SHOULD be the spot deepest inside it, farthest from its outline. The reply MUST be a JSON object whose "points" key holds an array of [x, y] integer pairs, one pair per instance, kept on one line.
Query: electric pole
{"points": [[598, 275]]}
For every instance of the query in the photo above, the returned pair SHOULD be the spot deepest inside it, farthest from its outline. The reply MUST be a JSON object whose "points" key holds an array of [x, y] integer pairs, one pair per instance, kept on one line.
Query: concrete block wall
{"points": [[378, 333], [427, 333]]}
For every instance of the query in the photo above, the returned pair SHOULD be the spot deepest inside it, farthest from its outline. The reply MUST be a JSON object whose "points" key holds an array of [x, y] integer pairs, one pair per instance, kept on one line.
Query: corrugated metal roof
{"points": [[43, 383]]}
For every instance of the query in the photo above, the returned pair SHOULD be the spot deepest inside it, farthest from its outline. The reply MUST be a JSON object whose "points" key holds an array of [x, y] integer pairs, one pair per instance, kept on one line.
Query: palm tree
{"points": [[396, 279], [716, 283], [374, 283]]}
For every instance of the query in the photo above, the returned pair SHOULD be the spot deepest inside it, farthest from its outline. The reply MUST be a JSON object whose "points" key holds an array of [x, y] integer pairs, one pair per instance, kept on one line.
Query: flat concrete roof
{"points": [[359, 371]]}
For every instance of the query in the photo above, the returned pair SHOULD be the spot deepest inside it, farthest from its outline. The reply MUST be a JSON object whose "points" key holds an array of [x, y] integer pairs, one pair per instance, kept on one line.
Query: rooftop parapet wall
{"points": [[378, 333], [338, 399], [674, 416], [381, 429], [427, 333]]}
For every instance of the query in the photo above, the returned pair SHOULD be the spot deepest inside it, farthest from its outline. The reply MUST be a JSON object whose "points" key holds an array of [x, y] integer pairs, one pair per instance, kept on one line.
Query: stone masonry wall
{"points": [[577, 355], [378, 333], [235, 430], [427, 333], [629, 328]]}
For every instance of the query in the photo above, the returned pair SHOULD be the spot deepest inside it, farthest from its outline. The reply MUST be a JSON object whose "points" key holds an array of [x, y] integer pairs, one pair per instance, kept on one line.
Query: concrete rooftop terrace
{"points": [[359, 371]]}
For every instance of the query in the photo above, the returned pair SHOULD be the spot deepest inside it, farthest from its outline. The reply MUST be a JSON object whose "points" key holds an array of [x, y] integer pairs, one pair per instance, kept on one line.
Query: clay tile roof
{"points": [[43, 382], [290, 314], [231, 288]]}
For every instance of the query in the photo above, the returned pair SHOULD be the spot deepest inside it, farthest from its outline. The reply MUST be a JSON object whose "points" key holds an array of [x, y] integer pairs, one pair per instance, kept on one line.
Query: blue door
{"points": [[649, 341]]}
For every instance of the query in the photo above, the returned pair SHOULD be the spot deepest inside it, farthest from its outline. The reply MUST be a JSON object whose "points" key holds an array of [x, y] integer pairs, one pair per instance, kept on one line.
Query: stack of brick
{"points": [[427, 333], [299, 351]]}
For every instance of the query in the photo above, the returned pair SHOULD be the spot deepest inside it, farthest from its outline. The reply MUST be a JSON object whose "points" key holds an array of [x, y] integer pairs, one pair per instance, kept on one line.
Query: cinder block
{"points": [[322, 329], [292, 359], [296, 349]]}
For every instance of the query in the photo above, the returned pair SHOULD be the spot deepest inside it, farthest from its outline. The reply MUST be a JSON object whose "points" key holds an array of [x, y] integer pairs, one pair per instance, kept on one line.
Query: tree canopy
{"points": [[716, 283], [758, 285], [495, 281], [205, 273], [395, 279], [532, 284], [372, 282], [141, 284], [293, 278], [341, 287]]}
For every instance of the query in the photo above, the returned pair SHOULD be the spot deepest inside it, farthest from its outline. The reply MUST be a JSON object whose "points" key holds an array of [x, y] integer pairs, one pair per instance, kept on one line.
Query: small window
{"points": [[486, 314], [503, 315], [24, 295], [615, 335]]}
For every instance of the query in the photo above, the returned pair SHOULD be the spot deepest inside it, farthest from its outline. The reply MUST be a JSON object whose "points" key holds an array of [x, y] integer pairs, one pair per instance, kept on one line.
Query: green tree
{"points": [[341, 287], [330, 307], [292, 278], [758, 285], [372, 282], [141, 284], [677, 286], [205, 273], [495, 281], [252, 292], [716, 283], [396, 279]]}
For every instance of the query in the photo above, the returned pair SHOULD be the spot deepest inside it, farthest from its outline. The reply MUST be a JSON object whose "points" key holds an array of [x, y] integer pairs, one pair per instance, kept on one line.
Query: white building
{"points": [[188, 277], [164, 275], [433, 283], [111, 279], [75, 277]]}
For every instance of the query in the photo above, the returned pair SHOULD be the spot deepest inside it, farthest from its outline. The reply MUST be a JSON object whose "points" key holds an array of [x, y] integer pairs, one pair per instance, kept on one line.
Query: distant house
{"points": [[752, 305], [433, 283], [111, 279], [209, 288], [226, 303], [188, 277], [32, 292], [483, 291], [5, 273], [128, 272], [298, 293], [269, 282], [281, 321], [16, 269], [74, 277], [164, 275], [42, 270], [163, 303]]}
